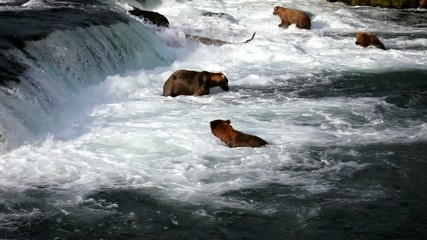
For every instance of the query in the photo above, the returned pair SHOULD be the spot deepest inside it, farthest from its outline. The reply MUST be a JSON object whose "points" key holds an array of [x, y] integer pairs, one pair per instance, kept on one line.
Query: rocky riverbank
{"points": [[386, 3]]}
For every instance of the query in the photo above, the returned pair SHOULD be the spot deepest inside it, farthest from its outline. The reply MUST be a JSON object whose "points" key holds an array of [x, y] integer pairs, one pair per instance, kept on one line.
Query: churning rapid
{"points": [[90, 149]]}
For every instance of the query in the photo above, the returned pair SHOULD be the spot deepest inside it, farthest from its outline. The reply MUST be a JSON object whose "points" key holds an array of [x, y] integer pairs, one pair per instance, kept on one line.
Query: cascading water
{"points": [[56, 61]]}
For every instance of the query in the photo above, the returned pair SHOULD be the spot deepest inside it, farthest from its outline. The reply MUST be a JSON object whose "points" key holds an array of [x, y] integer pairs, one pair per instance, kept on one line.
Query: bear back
{"points": [[366, 39], [188, 82], [223, 130], [290, 16]]}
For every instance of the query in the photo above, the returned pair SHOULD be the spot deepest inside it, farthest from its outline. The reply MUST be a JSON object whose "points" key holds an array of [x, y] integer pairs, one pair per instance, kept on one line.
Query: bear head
{"points": [[278, 10], [218, 123], [362, 39], [220, 80]]}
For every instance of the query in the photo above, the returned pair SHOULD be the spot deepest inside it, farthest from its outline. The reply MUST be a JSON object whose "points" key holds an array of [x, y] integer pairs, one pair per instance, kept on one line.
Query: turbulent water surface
{"points": [[91, 150]]}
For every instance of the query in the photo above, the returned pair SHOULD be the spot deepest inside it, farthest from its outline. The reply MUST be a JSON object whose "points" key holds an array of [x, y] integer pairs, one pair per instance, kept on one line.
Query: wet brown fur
{"points": [[366, 39], [233, 138], [290, 16], [188, 82]]}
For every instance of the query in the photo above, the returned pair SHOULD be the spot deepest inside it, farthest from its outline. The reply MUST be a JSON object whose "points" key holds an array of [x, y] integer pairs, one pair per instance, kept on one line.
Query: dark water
{"points": [[403, 88], [384, 200]]}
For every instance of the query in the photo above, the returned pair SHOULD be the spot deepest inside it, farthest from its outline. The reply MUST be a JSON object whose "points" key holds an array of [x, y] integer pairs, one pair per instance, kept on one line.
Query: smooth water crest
{"points": [[92, 150]]}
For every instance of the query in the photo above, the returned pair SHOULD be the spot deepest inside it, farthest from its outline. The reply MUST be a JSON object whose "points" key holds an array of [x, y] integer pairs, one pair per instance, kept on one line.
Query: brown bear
{"points": [[187, 82], [423, 3], [366, 39], [290, 16], [233, 138]]}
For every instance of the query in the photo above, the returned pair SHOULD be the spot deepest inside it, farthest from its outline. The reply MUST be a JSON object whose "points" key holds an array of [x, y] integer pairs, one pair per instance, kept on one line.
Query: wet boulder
{"points": [[150, 17]]}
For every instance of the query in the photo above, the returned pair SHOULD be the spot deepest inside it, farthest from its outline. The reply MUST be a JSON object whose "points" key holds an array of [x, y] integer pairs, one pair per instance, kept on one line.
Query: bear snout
{"points": [[225, 88]]}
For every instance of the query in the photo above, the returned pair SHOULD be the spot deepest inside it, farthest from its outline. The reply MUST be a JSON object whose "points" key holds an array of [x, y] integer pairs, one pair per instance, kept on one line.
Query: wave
{"points": [[47, 55]]}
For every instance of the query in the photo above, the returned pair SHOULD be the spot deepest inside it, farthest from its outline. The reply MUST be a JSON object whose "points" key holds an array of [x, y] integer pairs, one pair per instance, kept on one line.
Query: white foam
{"points": [[35, 3]]}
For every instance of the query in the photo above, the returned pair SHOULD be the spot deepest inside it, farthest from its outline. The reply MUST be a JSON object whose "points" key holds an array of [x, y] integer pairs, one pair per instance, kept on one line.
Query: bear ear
{"points": [[222, 76], [228, 121]]}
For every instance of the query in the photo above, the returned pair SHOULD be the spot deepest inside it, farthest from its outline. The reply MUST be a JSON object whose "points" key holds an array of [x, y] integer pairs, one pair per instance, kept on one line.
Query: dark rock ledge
{"points": [[386, 3]]}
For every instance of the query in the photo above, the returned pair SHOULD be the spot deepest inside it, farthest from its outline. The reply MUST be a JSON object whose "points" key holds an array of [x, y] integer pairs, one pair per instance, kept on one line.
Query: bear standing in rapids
{"points": [[289, 16], [187, 82], [233, 138], [366, 39]]}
